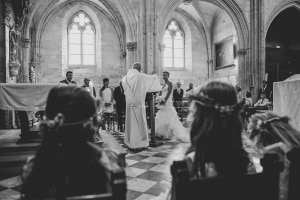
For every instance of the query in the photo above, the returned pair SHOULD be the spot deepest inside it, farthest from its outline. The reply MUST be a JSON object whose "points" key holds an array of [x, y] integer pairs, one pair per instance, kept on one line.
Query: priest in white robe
{"points": [[136, 85]]}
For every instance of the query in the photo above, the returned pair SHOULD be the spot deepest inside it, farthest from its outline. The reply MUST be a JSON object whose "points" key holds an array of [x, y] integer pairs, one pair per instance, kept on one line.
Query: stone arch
{"points": [[281, 7], [114, 6], [239, 22]]}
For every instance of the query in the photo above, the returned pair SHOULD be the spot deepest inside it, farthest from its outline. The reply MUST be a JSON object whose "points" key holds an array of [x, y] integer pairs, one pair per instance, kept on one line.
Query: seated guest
{"points": [[88, 85], [272, 133], [248, 100], [262, 103], [68, 163], [107, 98], [68, 81], [190, 90]]}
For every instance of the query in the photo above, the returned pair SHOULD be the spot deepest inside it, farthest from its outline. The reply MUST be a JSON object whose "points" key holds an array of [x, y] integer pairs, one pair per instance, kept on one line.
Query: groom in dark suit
{"points": [[177, 94], [120, 105]]}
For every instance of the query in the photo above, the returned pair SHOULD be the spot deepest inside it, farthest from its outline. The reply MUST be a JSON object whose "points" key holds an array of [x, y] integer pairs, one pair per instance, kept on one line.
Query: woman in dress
{"points": [[106, 107], [167, 124]]}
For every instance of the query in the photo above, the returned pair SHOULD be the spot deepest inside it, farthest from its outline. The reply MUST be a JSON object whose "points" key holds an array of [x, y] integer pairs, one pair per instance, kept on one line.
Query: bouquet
{"points": [[160, 100]]}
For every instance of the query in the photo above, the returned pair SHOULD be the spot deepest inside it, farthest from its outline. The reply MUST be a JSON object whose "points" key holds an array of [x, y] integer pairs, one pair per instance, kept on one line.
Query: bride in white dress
{"points": [[167, 124]]}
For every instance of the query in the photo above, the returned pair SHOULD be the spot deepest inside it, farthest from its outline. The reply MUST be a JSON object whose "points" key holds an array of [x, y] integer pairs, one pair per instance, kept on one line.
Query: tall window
{"points": [[81, 40], [173, 46]]}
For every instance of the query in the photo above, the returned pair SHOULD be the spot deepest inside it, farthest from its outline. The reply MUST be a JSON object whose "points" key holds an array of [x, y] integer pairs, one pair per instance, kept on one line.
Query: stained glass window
{"points": [[173, 46], [81, 40]]}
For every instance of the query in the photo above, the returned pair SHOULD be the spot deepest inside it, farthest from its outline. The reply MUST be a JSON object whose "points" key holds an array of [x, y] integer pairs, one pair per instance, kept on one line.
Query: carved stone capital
{"points": [[131, 46], [241, 52]]}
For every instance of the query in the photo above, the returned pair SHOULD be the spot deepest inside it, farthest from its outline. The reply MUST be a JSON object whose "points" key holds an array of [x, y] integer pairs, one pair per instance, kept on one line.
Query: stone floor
{"points": [[148, 171]]}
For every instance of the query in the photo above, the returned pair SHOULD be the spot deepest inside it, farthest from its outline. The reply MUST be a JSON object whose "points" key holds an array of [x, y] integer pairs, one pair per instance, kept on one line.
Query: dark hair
{"points": [[103, 87], [216, 130], [69, 72], [167, 73], [248, 94], [66, 155], [263, 93]]}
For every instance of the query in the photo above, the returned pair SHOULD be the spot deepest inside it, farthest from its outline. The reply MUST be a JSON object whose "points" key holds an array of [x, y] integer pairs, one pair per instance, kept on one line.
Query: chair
{"points": [[261, 186], [294, 174]]}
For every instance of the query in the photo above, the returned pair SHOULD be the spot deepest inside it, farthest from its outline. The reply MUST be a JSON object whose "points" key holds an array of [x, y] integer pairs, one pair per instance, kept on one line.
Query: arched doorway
{"points": [[283, 46]]}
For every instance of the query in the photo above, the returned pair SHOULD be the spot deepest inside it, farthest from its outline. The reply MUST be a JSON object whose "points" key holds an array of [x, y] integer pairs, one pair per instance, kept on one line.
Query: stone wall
{"points": [[223, 28], [53, 49]]}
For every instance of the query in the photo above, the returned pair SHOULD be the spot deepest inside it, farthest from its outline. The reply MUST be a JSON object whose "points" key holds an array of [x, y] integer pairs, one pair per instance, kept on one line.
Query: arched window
{"points": [[173, 46], [81, 40]]}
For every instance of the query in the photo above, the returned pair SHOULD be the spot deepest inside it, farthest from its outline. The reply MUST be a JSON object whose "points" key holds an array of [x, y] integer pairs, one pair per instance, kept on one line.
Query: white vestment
{"points": [[136, 85]]}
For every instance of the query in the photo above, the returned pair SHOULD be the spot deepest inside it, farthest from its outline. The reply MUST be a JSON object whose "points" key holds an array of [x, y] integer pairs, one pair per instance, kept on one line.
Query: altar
{"points": [[24, 96], [286, 95]]}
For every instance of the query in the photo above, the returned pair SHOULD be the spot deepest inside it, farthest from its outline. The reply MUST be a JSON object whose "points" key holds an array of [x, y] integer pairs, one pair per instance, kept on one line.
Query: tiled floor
{"points": [[148, 171]]}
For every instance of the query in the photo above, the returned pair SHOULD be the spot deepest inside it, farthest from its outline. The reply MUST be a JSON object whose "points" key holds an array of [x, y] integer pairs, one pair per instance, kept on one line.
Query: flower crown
{"points": [[262, 124], [206, 101], [59, 121]]}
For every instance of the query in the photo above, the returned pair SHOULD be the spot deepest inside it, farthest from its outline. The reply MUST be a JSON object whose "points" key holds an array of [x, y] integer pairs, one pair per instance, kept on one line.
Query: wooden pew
{"points": [[111, 143], [261, 186], [118, 186], [294, 174]]}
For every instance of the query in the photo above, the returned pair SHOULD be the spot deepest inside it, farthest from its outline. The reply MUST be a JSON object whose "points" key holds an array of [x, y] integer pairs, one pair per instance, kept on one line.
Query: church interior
{"points": [[252, 45]]}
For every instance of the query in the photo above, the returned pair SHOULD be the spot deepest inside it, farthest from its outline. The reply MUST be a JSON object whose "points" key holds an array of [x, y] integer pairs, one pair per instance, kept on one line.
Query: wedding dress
{"points": [[167, 124]]}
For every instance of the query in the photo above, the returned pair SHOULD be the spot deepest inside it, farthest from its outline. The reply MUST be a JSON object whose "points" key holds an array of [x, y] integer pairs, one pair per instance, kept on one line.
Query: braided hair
{"points": [[216, 130]]}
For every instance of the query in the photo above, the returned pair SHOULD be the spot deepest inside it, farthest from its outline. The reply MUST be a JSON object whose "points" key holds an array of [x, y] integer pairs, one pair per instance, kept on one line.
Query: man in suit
{"points": [[265, 89], [120, 105], [178, 93], [68, 81]]}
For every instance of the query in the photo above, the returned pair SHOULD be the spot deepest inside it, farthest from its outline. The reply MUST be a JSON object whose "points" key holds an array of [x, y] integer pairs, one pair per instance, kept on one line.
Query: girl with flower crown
{"points": [[216, 140], [68, 163]]}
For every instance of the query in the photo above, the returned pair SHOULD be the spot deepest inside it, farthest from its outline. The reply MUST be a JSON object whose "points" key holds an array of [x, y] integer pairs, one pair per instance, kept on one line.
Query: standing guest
{"points": [[68, 81], [136, 85], [107, 98], [120, 105], [190, 90], [265, 89], [88, 86], [68, 163], [178, 92], [239, 92]]}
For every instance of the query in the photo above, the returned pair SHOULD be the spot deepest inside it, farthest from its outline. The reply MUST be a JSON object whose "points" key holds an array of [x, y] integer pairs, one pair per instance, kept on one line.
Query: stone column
{"points": [[24, 76], [131, 54], [257, 69], [243, 74]]}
